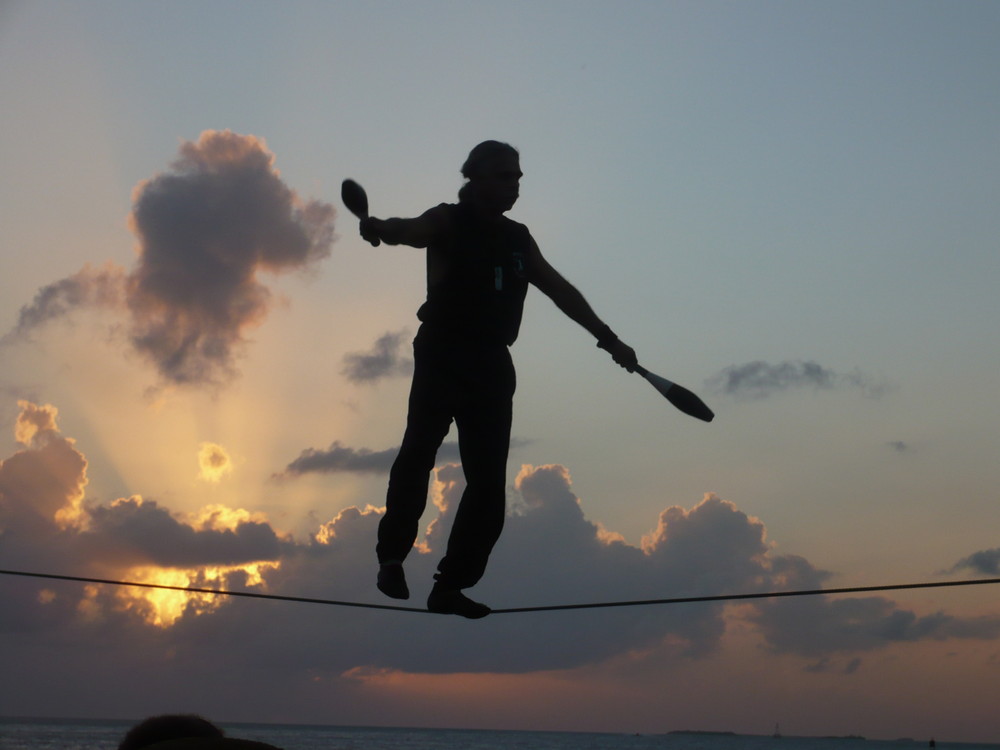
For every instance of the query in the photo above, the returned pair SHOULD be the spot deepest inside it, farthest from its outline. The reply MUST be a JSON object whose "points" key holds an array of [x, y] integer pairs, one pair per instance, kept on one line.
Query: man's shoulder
{"points": [[459, 215], [514, 223], [440, 221], [442, 211], [517, 229]]}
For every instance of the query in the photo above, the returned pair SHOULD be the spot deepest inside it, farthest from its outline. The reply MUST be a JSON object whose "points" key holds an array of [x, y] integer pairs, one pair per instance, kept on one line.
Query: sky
{"points": [[788, 207]]}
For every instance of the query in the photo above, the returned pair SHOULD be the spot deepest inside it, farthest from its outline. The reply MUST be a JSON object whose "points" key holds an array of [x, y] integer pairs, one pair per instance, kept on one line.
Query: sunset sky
{"points": [[789, 207]]}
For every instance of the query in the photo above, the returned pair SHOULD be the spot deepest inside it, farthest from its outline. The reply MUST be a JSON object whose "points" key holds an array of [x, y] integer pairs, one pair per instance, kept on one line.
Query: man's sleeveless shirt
{"points": [[477, 278]]}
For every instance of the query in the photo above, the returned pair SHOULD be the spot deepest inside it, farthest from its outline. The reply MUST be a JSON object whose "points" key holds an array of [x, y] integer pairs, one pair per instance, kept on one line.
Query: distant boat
{"points": [[777, 732]]}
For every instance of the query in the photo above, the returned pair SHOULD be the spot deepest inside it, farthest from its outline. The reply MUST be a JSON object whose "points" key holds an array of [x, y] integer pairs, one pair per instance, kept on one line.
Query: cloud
{"points": [[90, 287], [207, 228], [43, 484], [757, 380], [341, 458], [986, 562], [827, 665], [35, 421], [214, 462], [823, 625], [42, 501], [384, 360], [135, 531]]}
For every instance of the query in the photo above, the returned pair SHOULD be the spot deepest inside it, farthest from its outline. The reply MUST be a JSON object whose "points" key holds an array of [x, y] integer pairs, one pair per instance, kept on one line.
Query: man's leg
{"points": [[427, 424], [482, 510], [484, 424], [406, 497]]}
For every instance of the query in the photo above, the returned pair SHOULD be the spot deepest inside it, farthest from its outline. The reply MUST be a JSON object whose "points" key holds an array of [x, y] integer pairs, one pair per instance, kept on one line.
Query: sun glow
{"points": [[213, 463], [164, 607]]}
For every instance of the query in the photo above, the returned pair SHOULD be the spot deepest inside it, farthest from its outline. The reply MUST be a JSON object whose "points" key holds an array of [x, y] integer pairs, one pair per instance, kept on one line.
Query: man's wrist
{"points": [[606, 337]]}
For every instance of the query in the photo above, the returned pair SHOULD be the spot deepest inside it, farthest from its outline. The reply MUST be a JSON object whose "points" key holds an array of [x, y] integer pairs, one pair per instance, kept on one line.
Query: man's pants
{"points": [[474, 385]]}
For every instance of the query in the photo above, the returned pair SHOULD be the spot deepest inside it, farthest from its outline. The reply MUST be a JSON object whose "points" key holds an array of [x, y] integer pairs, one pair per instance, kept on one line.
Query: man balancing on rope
{"points": [[479, 265]]}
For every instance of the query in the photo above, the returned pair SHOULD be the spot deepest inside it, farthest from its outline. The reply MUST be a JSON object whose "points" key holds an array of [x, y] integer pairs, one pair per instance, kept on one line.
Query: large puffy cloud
{"points": [[206, 228], [759, 379]]}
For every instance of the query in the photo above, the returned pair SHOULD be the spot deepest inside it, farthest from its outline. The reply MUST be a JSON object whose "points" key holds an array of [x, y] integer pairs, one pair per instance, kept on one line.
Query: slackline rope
{"points": [[549, 608]]}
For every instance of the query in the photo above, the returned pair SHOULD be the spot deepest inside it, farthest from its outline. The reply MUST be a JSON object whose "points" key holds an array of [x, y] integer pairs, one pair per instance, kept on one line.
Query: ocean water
{"points": [[67, 734]]}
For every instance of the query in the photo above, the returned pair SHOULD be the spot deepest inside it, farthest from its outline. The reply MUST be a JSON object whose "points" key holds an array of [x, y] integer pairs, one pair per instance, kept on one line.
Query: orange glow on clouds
{"points": [[163, 607], [33, 420], [561, 473], [59, 460], [222, 518], [328, 531]]}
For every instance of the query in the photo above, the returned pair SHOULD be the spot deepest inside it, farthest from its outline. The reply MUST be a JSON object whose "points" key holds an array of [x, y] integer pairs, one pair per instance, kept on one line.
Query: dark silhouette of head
{"points": [[493, 174], [168, 727]]}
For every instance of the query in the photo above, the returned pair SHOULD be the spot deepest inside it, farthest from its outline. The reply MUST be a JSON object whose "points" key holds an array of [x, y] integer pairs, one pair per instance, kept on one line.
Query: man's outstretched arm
{"points": [[569, 299], [416, 232]]}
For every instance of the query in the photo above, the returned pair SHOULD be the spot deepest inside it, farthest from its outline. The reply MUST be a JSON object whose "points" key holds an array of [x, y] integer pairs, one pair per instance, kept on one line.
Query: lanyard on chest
{"points": [[517, 266]]}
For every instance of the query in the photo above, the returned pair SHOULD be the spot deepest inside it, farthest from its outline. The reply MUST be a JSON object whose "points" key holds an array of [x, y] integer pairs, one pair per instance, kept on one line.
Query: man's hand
{"points": [[622, 354], [370, 230]]}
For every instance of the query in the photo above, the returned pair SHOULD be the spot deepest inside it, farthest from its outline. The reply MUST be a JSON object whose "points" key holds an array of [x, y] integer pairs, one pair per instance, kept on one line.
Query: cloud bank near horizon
{"points": [[550, 554]]}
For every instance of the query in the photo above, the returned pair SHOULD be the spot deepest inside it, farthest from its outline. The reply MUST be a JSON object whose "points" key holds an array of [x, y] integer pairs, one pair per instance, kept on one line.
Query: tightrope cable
{"points": [[216, 592], [510, 610]]}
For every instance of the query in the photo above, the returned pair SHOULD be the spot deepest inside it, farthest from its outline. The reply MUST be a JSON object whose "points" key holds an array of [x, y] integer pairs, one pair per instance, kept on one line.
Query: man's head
{"points": [[493, 171], [157, 729]]}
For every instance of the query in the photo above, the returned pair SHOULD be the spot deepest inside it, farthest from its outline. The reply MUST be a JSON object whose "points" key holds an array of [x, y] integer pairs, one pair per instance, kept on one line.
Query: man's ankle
{"points": [[449, 601], [392, 580]]}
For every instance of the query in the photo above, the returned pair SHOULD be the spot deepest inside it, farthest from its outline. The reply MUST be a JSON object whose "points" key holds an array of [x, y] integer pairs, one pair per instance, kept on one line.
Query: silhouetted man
{"points": [[479, 265]]}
